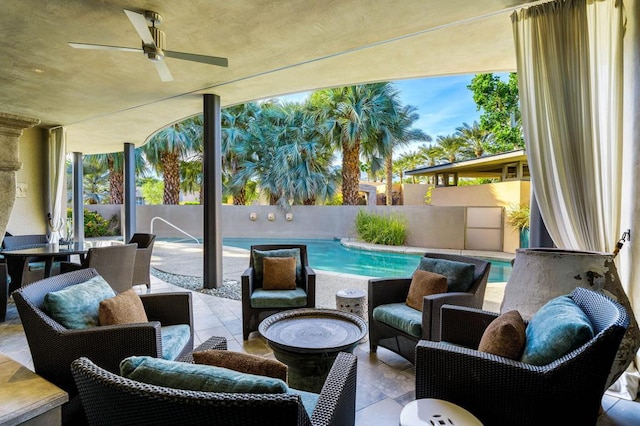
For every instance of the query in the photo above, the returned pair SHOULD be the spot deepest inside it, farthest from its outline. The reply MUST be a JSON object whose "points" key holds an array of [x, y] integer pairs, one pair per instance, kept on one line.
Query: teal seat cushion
{"points": [[278, 298], [196, 377], [401, 317], [174, 337], [77, 306], [558, 328], [36, 266], [459, 274], [309, 399], [259, 255]]}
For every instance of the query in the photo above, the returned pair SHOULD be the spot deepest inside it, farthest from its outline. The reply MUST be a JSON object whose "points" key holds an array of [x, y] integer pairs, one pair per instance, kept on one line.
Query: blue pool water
{"points": [[330, 255]]}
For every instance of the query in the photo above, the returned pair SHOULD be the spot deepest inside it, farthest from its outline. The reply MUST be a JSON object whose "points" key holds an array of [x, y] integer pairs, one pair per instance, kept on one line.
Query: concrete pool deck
{"points": [[184, 258]]}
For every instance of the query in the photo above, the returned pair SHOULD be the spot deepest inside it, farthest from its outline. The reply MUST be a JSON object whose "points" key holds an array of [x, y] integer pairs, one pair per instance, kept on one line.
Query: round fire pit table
{"points": [[309, 340]]}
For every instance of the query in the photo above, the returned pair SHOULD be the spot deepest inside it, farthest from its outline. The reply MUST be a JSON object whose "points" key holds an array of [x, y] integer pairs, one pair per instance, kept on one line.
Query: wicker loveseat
{"points": [[110, 399]]}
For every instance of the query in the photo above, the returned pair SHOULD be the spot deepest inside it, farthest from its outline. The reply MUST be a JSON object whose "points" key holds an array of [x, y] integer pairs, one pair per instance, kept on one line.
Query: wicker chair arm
{"points": [[168, 308], [310, 286], [248, 280], [336, 405], [106, 345], [387, 290], [432, 306], [464, 326]]}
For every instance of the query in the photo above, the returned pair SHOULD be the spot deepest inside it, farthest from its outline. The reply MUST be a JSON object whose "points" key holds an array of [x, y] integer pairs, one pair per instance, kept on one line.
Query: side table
{"points": [[429, 411], [28, 398], [352, 300]]}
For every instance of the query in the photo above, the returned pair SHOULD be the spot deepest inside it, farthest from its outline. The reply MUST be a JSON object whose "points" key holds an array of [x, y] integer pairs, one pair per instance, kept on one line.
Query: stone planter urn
{"points": [[540, 274]]}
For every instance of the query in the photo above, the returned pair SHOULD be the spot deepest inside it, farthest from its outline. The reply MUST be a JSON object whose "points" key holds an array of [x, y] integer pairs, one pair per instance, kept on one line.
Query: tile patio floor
{"points": [[385, 380]]}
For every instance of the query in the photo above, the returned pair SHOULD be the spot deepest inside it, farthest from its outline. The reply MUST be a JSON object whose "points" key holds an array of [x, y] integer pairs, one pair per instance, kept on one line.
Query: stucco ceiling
{"points": [[274, 47]]}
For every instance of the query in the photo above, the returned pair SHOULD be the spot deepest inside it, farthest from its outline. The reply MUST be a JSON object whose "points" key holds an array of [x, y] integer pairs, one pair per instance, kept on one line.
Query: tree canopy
{"points": [[498, 101]]}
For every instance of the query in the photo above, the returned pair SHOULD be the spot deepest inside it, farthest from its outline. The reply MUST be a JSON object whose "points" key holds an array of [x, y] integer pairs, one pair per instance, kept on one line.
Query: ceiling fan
{"points": [[153, 43]]}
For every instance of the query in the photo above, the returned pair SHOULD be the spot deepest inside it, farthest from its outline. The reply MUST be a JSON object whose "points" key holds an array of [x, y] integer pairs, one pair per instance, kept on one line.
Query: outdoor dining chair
{"points": [[142, 265], [114, 263]]}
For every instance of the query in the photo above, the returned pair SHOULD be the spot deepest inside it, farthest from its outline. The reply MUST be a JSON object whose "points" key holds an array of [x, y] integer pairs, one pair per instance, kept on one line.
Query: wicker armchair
{"points": [[110, 399], [114, 263], [251, 315], [501, 391], [142, 265], [384, 291], [53, 347]]}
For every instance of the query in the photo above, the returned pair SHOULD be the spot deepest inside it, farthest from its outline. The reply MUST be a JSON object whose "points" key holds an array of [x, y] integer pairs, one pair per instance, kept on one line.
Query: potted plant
{"points": [[518, 218]]}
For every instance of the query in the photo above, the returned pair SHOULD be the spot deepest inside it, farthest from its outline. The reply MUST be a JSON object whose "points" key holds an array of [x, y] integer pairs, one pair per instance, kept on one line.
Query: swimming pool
{"points": [[330, 255]]}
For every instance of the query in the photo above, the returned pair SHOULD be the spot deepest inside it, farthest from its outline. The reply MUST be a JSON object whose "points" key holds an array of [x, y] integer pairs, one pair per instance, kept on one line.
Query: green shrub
{"points": [[518, 216], [97, 226], [379, 229]]}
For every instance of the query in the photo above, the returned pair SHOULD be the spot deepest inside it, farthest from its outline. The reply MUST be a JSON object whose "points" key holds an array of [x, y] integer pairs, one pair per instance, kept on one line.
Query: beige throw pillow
{"points": [[124, 308], [279, 273], [504, 336], [424, 283], [243, 363]]}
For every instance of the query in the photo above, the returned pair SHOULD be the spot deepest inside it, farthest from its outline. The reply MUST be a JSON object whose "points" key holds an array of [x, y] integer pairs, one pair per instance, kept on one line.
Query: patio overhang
{"points": [[510, 165], [106, 98]]}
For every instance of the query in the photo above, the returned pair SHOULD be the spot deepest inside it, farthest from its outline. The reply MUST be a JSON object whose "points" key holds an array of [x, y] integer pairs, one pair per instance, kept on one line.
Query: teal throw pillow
{"points": [[459, 274], [77, 306], [259, 255], [196, 377], [558, 328]]}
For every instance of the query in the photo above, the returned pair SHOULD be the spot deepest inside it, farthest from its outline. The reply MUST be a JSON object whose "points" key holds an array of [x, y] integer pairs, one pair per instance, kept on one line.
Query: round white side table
{"points": [[354, 301], [436, 412]]}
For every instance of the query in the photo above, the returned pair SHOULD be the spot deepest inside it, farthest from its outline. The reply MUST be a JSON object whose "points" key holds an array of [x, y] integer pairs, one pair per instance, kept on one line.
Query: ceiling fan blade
{"points": [[103, 47], [140, 24], [163, 71], [211, 60]]}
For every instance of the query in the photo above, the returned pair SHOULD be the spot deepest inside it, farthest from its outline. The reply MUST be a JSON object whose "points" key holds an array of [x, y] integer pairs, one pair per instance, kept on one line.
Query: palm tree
{"points": [[191, 176], [114, 163], [451, 147], [95, 185], [164, 152], [355, 118], [402, 133], [236, 121], [408, 161], [476, 138], [287, 156]]}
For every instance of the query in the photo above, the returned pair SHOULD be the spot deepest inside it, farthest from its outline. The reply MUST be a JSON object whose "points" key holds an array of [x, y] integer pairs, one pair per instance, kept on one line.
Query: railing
{"points": [[173, 226]]}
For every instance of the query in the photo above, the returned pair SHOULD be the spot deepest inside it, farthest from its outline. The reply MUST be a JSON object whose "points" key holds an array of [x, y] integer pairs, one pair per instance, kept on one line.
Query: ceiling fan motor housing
{"points": [[155, 53]]}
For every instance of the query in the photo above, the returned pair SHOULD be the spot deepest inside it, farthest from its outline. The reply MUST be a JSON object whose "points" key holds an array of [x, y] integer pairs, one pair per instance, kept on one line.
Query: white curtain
{"points": [[569, 58], [57, 171], [570, 72]]}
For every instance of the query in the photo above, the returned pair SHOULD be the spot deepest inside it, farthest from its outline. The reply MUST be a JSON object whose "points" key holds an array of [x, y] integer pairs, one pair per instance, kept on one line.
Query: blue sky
{"points": [[443, 103]]}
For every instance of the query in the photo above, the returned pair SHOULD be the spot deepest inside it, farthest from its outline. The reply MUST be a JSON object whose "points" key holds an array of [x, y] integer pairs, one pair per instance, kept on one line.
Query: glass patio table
{"points": [[16, 258]]}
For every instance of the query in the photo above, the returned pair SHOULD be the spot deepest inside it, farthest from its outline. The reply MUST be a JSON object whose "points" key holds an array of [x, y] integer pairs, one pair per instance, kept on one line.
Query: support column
{"points": [[11, 128], [78, 199], [538, 234], [129, 191], [212, 181]]}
